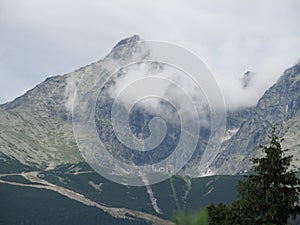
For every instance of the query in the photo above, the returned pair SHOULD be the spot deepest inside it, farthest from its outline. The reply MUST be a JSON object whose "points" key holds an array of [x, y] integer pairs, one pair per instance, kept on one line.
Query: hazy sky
{"points": [[44, 38]]}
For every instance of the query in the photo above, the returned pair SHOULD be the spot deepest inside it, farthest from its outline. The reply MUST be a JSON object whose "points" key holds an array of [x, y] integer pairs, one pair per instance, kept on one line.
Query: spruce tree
{"points": [[270, 195]]}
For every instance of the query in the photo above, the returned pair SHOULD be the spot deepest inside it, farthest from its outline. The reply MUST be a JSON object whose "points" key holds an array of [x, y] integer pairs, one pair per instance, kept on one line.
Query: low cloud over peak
{"points": [[44, 38]]}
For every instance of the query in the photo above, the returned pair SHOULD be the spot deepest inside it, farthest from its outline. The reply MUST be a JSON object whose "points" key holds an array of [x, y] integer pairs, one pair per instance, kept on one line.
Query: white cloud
{"points": [[162, 90], [43, 38]]}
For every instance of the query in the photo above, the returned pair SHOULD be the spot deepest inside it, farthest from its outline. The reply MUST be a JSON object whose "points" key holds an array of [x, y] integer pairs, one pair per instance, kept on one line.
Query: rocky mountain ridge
{"points": [[280, 107], [36, 128]]}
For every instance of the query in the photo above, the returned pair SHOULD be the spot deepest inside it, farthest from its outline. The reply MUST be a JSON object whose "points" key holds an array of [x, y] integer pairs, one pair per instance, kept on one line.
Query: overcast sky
{"points": [[39, 39]]}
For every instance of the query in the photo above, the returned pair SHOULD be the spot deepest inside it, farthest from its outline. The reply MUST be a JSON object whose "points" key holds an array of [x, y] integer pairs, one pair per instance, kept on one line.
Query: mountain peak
{"points": [[247, 78], [130, 40]]}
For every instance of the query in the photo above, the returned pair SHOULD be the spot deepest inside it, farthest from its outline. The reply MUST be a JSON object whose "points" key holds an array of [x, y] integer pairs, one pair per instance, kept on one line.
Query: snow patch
{"points": [[229, 133]]}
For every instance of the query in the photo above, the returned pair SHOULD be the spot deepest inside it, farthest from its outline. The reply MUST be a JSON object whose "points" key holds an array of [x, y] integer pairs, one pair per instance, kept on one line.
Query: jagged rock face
{"points": [[139, 119], [279, 107], [247, 79]]}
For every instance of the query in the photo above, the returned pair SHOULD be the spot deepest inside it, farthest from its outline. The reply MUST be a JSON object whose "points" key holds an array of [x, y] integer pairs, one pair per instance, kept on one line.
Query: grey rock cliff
{"points": [[279, 106]]}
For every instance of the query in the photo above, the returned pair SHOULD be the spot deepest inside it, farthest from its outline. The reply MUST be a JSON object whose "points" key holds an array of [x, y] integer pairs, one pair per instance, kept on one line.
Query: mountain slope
{"points": [[36, 128], [26, 205], [279, 106]]}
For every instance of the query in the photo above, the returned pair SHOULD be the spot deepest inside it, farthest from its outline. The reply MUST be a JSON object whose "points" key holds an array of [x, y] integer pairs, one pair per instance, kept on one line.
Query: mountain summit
{"points": [[36, 128], [128, 41]]}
